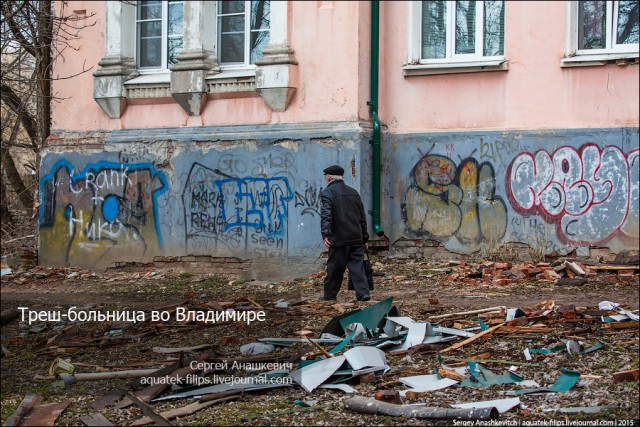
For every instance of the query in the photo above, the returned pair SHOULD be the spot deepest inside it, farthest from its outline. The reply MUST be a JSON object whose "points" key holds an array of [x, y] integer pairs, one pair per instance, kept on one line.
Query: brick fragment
{"points": [[389, 396], [629, 375]]}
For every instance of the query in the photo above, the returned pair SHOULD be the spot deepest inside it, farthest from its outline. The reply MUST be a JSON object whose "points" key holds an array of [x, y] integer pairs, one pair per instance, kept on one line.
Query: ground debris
{"points": [[532, 312]]}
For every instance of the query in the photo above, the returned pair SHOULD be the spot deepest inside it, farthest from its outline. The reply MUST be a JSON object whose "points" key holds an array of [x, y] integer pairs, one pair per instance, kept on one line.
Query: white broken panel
{"points": [[364, 357], [451, 331], [344, 387], [427, 382], [311, 376], [502, 405]]}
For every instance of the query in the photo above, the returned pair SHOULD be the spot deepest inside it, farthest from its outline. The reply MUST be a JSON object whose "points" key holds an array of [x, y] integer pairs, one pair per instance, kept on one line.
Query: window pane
{"points": [[174, 46], [175, 19], [259, 40], [150, 10], [259, 29], [260, 15], [493, 28], [434, 30], [232, 24], [231, 7], [150, 52], [231, 48], [150, 29], [592, 25], [628, 22], [465, 26]]}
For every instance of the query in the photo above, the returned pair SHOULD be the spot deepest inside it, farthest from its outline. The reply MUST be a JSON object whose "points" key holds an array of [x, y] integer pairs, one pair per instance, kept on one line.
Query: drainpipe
{"points": [[373, 110]]}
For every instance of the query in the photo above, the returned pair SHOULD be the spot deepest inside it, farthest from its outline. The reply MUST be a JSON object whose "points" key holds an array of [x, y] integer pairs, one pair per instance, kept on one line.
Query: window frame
{"points": [[612, 51], [453, 63], [164, 22], [246, 65]]}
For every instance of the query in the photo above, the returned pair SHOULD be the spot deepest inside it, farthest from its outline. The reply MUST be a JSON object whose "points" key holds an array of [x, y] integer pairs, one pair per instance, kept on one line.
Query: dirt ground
{"points": [[419, 288]]}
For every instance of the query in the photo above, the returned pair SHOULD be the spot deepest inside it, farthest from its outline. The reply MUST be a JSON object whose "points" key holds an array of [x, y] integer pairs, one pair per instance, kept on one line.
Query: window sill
{"points": [[151, 78], [455, 67], [596, 60]]}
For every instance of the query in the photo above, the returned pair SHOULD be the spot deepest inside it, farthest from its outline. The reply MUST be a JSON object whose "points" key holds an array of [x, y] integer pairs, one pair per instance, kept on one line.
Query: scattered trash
{"points": [[257, 348], [357, 351], [564, 383]]}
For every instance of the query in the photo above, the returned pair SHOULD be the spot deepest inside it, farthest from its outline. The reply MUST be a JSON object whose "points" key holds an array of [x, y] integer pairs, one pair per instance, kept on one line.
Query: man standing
{"points": [[344, 231]]}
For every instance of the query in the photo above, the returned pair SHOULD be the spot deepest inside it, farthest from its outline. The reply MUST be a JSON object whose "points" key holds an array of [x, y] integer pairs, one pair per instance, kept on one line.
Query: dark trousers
{"points": [[341, 257]]}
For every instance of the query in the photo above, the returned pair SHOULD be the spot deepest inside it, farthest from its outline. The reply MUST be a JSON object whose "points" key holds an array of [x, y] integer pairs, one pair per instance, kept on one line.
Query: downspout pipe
{"points": [[373, 111]]}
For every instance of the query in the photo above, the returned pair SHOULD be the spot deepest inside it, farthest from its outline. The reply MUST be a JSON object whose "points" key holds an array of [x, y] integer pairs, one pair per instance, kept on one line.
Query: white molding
{"points": [[594, 60], [414, 16], [150, 78], [455, 68]]}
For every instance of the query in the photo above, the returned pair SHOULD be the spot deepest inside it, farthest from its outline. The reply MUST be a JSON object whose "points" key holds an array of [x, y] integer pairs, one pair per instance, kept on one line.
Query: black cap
{"points": [[334, 170]]}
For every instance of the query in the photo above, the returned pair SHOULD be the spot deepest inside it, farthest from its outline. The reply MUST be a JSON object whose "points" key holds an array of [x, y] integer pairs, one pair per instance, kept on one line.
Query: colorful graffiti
{"points": [[108, 206], [446, 201], [222, 211], [591, 194]]}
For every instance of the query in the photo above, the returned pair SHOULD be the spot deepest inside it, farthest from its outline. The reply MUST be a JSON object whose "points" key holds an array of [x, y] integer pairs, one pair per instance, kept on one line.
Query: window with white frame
{"points": [[243, 32], [158, 34], [605, 27], [459, 31]]}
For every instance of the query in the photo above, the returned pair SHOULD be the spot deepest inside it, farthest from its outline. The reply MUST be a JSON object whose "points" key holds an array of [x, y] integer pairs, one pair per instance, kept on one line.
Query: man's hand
{"points": [[366, 246], [327, 243]]}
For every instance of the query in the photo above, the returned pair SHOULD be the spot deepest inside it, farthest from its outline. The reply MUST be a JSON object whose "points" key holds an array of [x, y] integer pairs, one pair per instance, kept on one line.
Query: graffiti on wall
{"points": [[307, 198], [591, 194], [447, 201], [105, 207], [222, 211]]}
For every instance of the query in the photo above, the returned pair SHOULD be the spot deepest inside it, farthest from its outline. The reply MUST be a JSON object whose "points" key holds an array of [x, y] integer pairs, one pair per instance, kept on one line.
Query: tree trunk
{"points": [[43, 69], [4, 207], [15, 180]]}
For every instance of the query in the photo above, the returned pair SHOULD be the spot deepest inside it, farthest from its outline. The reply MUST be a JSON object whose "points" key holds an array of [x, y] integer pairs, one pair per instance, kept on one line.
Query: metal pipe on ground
{"points": [[368, 405]]}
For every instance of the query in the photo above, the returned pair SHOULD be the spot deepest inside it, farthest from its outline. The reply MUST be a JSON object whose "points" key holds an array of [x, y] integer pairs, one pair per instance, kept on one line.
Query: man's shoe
{"points": [[326, 299], [364, 298]]}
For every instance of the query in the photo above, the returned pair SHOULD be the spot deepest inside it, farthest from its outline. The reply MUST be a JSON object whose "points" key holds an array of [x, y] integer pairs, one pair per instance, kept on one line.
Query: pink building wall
{"points": [[535, 92], [332, 49], [330, 75]]}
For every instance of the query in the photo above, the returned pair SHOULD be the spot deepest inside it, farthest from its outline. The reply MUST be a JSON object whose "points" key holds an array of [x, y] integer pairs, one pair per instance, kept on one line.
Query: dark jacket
{"points": [[342, 217]]}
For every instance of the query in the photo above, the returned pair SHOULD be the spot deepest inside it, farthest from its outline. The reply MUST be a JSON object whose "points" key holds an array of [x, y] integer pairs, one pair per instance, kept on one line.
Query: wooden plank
{"points": [[614, 267], [622, 325], [25, 407], [167, 350], [149, 412], [473, 338], [464, 313], [95, 419], [45, 415], [185, 410]]}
